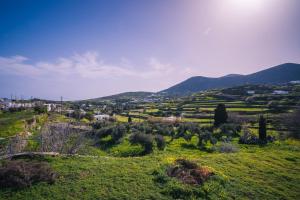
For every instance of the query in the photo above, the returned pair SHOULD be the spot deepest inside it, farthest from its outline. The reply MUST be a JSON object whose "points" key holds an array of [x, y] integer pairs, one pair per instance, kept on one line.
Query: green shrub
{"points": [[227, 147]]}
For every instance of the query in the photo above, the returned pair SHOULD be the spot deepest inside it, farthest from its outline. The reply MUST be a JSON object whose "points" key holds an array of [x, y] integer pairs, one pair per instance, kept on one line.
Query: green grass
{"points": [[269, 172], [13, 123]]}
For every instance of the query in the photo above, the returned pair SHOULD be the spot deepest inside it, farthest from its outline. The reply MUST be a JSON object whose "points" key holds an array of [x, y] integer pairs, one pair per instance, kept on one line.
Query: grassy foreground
{"points": [[269, 172]]}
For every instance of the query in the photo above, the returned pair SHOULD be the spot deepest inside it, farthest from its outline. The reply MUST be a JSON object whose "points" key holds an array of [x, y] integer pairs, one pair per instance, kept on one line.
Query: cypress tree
{"points": [[262, 129], [220, 115], [129, 119]]}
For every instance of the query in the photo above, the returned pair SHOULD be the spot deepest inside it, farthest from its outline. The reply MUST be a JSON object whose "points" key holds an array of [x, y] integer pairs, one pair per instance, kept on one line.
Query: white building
{"points": [[50, 106], [295, 82], [250, 92], [280, 92], [102, 117]]}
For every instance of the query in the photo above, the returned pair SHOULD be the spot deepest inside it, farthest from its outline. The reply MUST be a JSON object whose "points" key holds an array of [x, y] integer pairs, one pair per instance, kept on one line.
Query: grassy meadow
{"points": [[268, 172]]}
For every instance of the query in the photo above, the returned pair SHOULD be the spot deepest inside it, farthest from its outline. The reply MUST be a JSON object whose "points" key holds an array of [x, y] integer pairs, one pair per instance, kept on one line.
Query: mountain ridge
{"points": [[278, 74]]}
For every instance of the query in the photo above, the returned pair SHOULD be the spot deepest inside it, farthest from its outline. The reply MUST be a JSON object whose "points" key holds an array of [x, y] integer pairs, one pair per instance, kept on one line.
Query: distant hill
{"points": [[278, 74], [125, 95]]}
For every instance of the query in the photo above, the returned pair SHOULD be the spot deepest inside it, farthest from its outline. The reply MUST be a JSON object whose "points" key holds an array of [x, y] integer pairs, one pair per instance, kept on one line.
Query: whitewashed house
{"points": [[280, 92], [102, 117], [250, 92]]}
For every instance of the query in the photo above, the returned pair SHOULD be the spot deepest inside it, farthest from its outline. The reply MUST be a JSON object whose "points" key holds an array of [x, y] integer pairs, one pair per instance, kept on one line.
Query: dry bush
{"points": [[62, 138], [189, 172], [20, 174]]}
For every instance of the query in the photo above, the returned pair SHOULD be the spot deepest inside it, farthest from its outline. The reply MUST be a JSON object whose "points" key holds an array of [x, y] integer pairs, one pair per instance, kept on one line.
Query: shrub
{"points": [[248, 137], [143, 139], [160, 142], [20, 174], [226, 147], [230, 130], [99, 124]]}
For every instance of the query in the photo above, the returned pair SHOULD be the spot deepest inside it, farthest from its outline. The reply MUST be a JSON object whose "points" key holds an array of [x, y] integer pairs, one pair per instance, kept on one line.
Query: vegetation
{"points": [[220, 115], [20, 174], [262, 129], [204, 146]]}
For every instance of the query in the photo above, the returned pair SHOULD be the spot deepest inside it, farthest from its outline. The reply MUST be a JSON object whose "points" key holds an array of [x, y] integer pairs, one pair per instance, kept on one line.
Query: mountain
{"points": [[278, 74], [124, 95]]}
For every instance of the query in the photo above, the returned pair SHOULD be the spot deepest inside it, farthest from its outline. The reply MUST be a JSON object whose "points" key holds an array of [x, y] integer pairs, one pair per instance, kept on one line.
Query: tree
{"points": [[203, 137], [118, 133], [129, 119], [145, 140], [262, 129], [220, 115], [40, 109]]}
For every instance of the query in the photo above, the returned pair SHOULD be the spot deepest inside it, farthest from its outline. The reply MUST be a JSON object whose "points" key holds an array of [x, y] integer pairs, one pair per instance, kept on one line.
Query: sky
{"points": [[82, 49]]}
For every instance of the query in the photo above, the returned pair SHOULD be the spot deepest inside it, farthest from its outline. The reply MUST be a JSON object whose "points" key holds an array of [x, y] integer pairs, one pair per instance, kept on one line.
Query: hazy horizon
{"points": [[88, 49]]}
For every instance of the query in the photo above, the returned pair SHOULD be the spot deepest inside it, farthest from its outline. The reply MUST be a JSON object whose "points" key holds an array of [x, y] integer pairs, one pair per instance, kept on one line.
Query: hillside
{"points": [[124, 95], [278, 74]]}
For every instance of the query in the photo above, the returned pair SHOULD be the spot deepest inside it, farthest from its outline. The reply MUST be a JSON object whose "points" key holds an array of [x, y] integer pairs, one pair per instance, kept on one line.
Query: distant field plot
{"points": [[202, 121], [151, 110], [236, 109], [121, 118]]}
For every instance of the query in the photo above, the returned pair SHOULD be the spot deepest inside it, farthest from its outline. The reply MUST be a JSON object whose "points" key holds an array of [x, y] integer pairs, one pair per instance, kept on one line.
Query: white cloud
{"points": [[87, 65], [87, 75]]}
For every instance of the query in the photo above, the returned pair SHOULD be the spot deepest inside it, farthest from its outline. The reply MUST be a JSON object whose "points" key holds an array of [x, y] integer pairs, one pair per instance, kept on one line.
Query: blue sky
{"points": [[84, 49]]}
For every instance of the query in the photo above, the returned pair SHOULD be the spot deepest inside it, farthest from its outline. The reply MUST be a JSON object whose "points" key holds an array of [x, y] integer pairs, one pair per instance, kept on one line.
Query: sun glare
{"points": [[247, 5]]}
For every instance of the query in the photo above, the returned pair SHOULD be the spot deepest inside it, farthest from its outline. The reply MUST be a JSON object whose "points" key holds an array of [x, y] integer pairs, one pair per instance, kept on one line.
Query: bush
{"points": [[143, 139], [118, 133], [248, 137], [20, 174], [160, 142], [230, 130], [226, 147], [100, 124]]}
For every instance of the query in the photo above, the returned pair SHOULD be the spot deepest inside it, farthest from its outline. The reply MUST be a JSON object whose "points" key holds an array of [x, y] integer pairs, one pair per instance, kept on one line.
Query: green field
{"points": [[13, 123], [270, 172]]}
